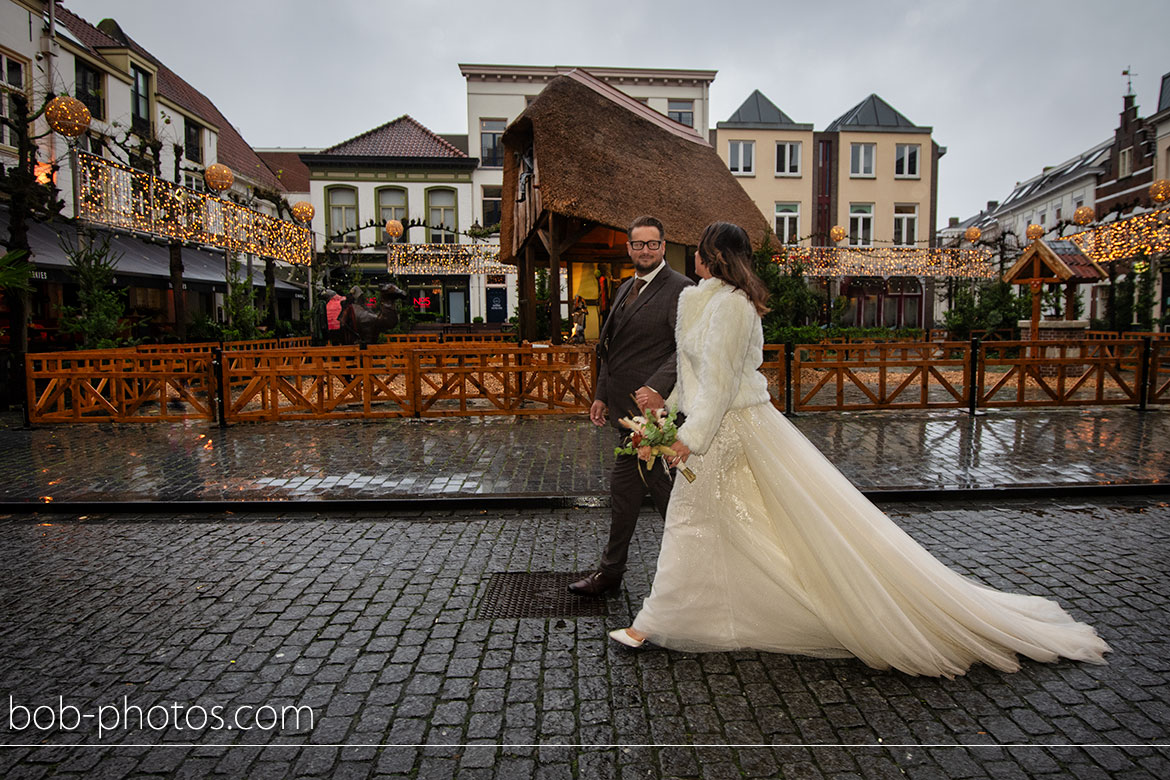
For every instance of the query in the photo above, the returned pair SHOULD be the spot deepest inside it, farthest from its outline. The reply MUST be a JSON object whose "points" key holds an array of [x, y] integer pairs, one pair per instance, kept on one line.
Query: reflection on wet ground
{"points": [[551, 455]]}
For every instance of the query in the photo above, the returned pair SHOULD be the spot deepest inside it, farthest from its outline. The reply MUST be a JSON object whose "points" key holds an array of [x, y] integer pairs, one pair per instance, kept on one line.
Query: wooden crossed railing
{"points": [[396, 381], [908, 375], [119, 386], [426, 379]]}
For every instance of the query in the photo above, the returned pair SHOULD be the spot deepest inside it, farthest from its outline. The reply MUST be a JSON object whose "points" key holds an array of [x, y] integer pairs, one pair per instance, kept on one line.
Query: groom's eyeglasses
{"points": [[637, 246]]}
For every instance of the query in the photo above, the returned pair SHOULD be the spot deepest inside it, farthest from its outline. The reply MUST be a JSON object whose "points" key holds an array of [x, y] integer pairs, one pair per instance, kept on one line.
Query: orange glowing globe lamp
{"points": [[218, 177], [1034, 232], [1084, 215], [1160, 191], [303, 211], [837, 233], [973, 234], [393, 228], [67, 115]]}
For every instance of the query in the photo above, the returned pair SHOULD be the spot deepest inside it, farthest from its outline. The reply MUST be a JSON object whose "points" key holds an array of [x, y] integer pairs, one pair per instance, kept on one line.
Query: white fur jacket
{"points": [[720, 347]]}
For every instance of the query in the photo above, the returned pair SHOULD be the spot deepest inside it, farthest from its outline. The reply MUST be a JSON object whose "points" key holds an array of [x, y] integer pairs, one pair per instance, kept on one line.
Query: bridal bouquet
{"points": [[652, 434]]}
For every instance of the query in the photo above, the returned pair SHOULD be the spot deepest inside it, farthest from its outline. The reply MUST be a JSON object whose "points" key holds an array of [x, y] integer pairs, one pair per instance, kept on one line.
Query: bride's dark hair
{"points": [[727, 252]]}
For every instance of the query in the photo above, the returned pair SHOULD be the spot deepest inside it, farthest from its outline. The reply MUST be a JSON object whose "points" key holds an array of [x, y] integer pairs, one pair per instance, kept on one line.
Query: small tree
{"points": [[791, 302], [240, 307], [98, 315]]}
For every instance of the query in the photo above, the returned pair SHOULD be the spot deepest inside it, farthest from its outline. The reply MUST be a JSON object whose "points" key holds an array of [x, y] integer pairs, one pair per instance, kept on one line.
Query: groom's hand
{"points": [[599, 413], [648, 398]]}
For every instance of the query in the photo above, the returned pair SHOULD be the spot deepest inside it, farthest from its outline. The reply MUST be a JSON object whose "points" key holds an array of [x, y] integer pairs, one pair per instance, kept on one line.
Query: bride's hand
{"points": [[681, 453]]}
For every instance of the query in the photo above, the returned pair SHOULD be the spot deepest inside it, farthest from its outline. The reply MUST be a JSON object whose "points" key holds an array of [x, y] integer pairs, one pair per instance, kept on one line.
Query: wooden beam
{"points": [[527, 284], [556, 229]]}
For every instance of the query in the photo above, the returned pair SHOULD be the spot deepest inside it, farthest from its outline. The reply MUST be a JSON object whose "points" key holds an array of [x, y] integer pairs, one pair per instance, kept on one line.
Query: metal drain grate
{"points": [[537, 594]]}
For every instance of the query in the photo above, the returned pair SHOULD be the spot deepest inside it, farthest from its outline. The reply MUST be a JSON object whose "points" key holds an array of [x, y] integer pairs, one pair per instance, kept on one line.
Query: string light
{"points": [[445, 259], [118, 196], [303, 211], [67, 115], [891, 261], [1147, 234]]}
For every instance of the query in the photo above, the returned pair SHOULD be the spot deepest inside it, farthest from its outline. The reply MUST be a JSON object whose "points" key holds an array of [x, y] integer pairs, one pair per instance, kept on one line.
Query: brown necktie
{"points": [[639, 283]]}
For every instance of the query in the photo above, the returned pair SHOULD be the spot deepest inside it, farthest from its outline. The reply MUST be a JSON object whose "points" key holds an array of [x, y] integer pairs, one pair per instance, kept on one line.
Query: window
{"points": [[342, 211], [861, 160], [861, 224], [788, 158], [681, 111], [903, 302], [788, 222], [140, 100], [11, 83], [1125, 163], [87, 87], [491, 151], [192, 141], [492, 206], [906, 161], [740, 157], [441, 216], [905, 224], [1043, 218], [194, 182], [391, 205]]}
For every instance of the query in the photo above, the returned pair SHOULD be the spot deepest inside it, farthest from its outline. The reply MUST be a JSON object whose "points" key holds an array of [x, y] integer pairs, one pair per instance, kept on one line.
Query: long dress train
{"points": [[772, 548]]}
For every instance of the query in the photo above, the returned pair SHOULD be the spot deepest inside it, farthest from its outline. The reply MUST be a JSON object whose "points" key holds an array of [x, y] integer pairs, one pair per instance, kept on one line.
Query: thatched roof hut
{"points": [[583, 160]]}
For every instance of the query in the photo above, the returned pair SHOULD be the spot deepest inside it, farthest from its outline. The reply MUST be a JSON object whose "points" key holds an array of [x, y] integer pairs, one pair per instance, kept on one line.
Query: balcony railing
{"points": [[118, 196]]}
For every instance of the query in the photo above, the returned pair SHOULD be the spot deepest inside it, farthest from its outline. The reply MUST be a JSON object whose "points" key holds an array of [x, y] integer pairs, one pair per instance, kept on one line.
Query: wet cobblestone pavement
{"points": [[551, 455], [370, 619]]}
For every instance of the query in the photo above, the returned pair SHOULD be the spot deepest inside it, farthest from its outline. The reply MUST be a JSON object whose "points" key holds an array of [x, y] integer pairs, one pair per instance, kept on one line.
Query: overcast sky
{"points": [[1009, 86]]}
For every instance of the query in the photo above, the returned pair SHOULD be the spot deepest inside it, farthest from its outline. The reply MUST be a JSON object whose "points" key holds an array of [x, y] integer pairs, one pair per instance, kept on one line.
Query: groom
{"points": [[635, 360]]}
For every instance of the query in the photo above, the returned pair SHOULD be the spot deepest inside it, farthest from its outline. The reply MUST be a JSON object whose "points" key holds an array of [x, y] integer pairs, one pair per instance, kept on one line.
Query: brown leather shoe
{"points": [[596, 584]]}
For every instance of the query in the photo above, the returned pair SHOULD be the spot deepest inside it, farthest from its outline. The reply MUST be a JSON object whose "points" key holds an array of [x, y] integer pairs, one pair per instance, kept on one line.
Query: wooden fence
{"points": [[119, 386], [426, 379]]}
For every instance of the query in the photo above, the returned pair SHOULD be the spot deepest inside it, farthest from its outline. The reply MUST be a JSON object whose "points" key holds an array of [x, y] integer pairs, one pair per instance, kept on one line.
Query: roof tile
{"points": [[401, 137]]}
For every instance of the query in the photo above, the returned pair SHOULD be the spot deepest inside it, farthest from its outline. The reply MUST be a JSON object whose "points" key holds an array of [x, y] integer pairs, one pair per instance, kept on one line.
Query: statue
{"points": [[367, 325]]}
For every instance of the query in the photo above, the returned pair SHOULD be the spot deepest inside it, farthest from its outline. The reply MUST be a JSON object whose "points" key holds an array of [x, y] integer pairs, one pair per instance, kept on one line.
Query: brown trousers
{"points": [[626, 492]]}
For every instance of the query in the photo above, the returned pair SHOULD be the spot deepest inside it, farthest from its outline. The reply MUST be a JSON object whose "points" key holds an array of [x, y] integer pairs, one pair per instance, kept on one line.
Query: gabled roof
{"points": [[605, 158], [874, 114], [401, 137], [757, 112], [1084, 164], [231, 148], [1054, 261]]}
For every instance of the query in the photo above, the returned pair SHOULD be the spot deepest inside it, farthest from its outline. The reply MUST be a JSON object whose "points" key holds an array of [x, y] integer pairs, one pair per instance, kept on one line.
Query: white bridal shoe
{"points": [[623, 636]]}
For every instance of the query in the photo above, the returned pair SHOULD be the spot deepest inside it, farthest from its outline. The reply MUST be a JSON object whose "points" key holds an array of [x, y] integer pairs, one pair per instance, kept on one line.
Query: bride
{"points": [[773, 549]]}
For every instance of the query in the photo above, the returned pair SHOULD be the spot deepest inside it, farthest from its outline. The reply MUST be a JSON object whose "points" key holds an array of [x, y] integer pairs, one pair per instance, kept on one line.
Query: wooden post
{"points": [[555, 235], [1037, 293], [528, 293]]}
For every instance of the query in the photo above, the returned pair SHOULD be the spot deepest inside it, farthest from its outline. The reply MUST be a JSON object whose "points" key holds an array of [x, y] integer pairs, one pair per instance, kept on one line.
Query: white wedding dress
{"points": [[772, 548]]}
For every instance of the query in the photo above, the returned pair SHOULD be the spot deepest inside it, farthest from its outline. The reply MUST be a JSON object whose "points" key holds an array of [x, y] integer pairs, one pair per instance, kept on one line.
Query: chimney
{"points": [[992, 205], [953, 222]]}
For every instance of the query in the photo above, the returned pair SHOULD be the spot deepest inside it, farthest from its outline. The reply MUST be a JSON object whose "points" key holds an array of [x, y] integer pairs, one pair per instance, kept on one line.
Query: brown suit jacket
{"points": [[636, 344]]}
